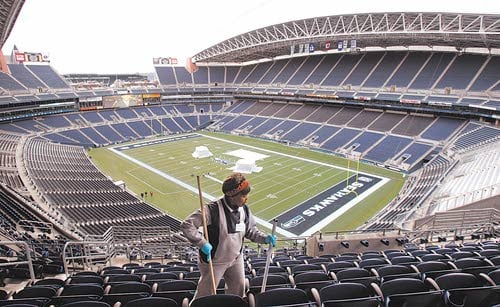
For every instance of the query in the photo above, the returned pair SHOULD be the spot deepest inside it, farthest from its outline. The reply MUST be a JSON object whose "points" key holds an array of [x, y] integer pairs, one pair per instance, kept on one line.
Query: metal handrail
{"points": [[86, 255], [28, 257]]}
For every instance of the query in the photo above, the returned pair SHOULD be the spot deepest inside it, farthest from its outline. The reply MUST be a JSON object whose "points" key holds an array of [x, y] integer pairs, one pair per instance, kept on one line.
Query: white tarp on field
{"points": [[201, 152], [246, 166], [247, 154], [246, 163]]}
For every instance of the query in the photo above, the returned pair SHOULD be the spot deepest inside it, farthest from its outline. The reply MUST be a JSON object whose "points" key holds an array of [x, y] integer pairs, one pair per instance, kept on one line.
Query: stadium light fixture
{"points": [[385, 242], [365, 243], [345, 244]]}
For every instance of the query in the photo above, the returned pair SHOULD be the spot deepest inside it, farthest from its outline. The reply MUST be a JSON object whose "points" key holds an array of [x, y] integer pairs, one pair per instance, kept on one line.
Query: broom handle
{"points": [[268, 260], [205, 232]]}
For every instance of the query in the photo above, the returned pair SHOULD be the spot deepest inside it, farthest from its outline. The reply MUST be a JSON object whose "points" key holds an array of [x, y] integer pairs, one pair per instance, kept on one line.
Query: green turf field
{"points": [[287, 177]]}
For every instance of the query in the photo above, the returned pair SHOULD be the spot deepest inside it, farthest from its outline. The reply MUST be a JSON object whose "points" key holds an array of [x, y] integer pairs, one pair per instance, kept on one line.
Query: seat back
{"points": [[176, 290], [339, 266], [410, 292], [55, 283], [86, 304], [343, 291], [495, 276], [457, 280], [130, 287], [273, 282], [465, 289], [35, 291], [85, 279], [403, 286], [219, 300], [308, 280], [82, 289], [152, 301], [352, 273], [281, 297], [297, 269], [120, 278], [39, 302], [373, 263]]}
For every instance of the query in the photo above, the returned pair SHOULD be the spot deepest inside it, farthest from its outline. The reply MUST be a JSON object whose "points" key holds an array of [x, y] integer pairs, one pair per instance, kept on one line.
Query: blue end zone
{"points": [[309, 213]]}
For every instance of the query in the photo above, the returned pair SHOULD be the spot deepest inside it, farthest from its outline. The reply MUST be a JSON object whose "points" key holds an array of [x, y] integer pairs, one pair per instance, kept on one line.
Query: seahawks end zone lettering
{"points": [[307, 214], [157, 141]]}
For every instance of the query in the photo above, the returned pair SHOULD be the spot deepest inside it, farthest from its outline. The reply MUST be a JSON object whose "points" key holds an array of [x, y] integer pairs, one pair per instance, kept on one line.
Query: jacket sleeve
{"points": [[253, 233], [190, 225]]}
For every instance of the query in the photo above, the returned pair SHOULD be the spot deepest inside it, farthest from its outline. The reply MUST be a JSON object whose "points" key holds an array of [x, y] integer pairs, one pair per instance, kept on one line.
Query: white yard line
{"points": [[213, 178]]}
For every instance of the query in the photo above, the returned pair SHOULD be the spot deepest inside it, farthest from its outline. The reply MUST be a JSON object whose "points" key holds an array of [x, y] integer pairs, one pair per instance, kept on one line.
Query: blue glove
{"points": [[271, 239], [207, 249]]}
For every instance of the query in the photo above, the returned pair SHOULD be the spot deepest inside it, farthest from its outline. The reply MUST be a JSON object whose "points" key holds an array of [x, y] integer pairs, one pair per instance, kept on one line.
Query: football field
{"points": [[305, 190]]}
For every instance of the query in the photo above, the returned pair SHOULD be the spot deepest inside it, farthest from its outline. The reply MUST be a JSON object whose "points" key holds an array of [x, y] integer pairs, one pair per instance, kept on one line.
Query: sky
{"points": [[123, 36]]}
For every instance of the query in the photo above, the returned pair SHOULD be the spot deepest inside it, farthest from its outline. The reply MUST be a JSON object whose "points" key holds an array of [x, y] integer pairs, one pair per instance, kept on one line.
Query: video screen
{"points": [[121, 101]]}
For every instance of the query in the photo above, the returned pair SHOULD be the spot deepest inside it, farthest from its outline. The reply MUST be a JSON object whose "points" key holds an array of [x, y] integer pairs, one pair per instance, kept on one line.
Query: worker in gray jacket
{"points": [[229, 221]]}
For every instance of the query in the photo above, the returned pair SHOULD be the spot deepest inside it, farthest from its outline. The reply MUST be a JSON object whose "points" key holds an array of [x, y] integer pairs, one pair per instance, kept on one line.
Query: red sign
{"points": [[20, 57]]}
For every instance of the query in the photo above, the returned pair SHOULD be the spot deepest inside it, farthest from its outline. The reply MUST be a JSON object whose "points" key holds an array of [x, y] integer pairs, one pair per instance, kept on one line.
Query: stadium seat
{"points": [[339, 266], [463, 289], [273, 281], [298, 269], [86, 273], [151, 301], [121, 278], [390, 272], [373, 263], [473, 266], [50, 282], [178, 290], [34, 292], [280, 297], [78, 292], [345, 295], [408, 292], [160, 277], [312, 279], [218, 300], [272, 270], [85, 279], [323, 261], [434, 269], [86, 304], [493, 277], [26, 302], [350, 273]]}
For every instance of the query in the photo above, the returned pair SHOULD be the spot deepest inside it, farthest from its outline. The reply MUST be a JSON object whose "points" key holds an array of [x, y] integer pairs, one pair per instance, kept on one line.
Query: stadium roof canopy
{"points": [[369, 30], [9, 11]]}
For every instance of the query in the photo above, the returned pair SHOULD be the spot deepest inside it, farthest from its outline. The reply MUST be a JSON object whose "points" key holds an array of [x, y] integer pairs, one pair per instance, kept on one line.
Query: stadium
{"points": [[373, 140]]}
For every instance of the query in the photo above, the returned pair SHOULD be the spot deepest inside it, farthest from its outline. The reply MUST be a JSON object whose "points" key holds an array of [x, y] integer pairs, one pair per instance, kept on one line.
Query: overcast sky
{"points": [[122, 36]]}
